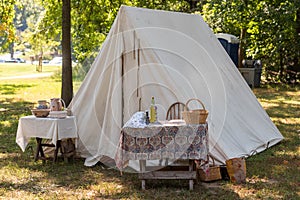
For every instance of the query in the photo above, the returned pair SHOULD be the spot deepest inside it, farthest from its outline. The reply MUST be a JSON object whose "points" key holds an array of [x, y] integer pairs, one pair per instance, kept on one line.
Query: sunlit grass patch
{"points": [[35, 89], [5, 123], [20, 69]]}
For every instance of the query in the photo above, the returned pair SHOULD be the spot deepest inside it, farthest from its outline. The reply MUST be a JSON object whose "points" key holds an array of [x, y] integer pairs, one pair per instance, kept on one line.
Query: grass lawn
{"points": [[272, 174], [19, 69]]}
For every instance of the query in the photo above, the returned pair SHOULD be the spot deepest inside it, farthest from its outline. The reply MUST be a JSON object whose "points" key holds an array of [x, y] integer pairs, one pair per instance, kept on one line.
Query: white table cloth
{"points": [[47, 128]]}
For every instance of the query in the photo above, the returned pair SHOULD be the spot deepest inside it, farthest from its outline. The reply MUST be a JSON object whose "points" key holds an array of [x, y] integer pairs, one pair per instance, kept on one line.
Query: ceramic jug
{"points": [[57, 104], [42, 104]]}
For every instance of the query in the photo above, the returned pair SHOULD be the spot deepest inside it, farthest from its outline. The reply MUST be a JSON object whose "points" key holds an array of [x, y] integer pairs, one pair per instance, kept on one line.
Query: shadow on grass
{"points": [[10, 89], [10, 113], [107, 183]]}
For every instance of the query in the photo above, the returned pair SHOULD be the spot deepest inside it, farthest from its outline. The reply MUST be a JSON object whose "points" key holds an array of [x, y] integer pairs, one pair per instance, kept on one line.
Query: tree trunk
{"points": [[67, 83], [193, 4], [241, 47], [298, 22], [296, 58], [281, 65], [11, 50]]}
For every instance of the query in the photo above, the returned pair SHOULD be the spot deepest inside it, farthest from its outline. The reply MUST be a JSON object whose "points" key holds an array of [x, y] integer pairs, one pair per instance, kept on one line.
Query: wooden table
{"points": [[175, 142], [54, 129]]}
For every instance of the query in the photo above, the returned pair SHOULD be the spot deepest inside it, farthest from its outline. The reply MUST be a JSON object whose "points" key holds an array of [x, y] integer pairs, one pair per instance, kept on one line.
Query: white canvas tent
{"points": [[173, 57]]}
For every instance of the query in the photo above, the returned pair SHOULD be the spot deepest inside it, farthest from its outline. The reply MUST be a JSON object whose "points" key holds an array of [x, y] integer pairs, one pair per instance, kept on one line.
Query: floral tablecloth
{"points": [[154, 142]]}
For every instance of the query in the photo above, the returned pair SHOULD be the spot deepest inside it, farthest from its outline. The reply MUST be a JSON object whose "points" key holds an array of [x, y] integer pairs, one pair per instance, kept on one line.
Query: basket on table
{"points": [[197, 116], [58, 114], [40, 112], [213, 173]]}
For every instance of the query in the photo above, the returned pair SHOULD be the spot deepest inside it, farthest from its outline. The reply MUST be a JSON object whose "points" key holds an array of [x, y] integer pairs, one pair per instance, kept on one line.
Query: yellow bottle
{"points": [[153, 111]]}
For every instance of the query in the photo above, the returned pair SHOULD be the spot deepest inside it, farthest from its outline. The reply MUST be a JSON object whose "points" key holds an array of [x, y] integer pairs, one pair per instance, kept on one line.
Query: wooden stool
{"points": [[183, 172]]}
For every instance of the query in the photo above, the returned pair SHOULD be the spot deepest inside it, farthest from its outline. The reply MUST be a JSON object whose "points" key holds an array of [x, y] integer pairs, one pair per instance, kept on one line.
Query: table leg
{"points": [[143, 169], [58, 146], [39, 149], [37, 152], [191, 168], [40, 152]]}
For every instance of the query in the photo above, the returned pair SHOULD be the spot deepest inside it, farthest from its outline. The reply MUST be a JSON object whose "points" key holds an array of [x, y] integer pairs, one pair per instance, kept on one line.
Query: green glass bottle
{"points": [[153, 111]]}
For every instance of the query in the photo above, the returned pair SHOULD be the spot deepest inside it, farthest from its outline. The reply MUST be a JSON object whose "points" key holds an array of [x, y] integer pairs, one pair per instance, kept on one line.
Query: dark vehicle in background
{"points": [[11, 61], [20, 60], [15, 60]]}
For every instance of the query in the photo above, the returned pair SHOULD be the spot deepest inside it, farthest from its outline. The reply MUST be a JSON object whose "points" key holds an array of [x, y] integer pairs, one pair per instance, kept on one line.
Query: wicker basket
{"points": [[212, 174], [197, 116], [58, 114], [40, 112]]}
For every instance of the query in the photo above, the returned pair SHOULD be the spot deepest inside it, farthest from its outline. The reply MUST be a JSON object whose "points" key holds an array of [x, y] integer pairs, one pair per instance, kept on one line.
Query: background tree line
{"points": [[268, 30]]}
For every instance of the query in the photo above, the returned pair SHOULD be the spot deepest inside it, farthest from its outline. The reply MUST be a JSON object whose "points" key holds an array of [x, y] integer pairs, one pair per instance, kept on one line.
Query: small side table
{"points": [[54, 129]]}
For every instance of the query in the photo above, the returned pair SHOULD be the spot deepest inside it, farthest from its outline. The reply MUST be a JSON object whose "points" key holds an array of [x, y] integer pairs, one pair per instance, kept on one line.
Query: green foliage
{"points": [[92, 20], [27, 16], [7, 30], [273, 37], [271, 26]]}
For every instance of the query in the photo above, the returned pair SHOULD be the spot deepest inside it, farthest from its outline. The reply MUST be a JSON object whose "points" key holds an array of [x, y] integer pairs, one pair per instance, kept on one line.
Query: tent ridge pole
{"points": [[138, 69], [122, 77], [138, 75], [134, 38]]}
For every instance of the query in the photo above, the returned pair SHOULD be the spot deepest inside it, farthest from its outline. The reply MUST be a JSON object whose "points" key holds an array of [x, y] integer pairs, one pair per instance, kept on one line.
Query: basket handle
{"points": [[193, 99], [63, 103], [212, 158], [209, 157]]}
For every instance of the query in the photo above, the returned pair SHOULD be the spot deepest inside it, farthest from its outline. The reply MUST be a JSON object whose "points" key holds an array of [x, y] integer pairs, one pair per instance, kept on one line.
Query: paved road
{"points": [[27, 76]]}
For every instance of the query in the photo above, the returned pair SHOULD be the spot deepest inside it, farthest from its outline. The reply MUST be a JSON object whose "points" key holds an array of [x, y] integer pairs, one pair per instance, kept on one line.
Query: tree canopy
{"points": [[271, 28], [7, 29], [268, 29]]}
